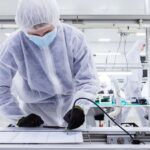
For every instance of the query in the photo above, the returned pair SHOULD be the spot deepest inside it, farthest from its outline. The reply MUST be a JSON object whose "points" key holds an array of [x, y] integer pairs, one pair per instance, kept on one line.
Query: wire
{"points": [[106, 62], [125, 43], [118, 49], [103, 112], [125, 55]]}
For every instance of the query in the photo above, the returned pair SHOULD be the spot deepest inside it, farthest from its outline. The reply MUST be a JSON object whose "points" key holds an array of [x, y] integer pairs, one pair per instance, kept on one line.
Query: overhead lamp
{"points": [[107, 54], [7, 34], [8, 26], [141, 34], [104, 40], [113, 73], [146, 25]]}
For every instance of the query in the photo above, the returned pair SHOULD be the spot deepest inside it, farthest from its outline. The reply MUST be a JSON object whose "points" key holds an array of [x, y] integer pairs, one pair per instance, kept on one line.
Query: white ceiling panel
{"points": [[8, 7], [102, 6]]}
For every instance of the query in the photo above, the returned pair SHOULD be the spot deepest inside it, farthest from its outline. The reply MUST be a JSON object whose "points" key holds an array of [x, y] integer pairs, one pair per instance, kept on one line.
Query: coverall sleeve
{"points": [[86, 80], [9, 107]]}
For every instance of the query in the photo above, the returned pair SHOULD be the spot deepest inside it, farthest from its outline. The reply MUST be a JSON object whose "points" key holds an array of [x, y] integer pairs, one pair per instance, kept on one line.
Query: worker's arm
{"points": [[86, 81], [8, 103]]}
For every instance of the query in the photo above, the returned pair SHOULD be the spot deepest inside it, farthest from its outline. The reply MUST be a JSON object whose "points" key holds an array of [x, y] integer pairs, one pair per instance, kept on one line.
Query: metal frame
{"points": [[134, 19], [148, 60], [94, 138]]}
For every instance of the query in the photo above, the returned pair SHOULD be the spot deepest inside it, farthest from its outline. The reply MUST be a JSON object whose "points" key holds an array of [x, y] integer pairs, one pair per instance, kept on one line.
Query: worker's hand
{"points": [[75, 117], [30, 121]]}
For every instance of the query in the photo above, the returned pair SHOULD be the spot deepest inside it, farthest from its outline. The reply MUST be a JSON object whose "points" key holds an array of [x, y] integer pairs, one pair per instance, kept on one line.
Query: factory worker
{"points": [[53, 66], [133, 83]]}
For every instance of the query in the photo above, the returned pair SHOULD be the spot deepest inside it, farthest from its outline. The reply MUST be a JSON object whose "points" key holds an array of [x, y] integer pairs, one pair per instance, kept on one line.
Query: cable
{"points": [[106, 62], [132, 138], [125, 55], [104, 113], [118, 49], [125, 42]]}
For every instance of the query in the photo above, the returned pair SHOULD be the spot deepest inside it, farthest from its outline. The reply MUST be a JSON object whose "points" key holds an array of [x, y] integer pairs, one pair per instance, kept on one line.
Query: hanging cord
{"points": [[126, 59], [132, 138], [118, 49], [125, 54]]}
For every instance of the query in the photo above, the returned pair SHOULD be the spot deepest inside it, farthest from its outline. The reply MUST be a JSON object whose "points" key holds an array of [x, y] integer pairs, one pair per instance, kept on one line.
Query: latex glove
{"points": [[31, 120], [75, 117]]}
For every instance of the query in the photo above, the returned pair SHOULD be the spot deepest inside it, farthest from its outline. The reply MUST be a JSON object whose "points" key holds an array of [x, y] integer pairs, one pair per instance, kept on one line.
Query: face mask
{"points": [[45, 40]]}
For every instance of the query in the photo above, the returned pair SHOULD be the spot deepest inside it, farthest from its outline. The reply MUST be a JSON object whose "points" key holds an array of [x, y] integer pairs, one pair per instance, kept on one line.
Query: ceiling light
{"points": [[8, 26], [141, 34], [107, 54], [112, 73], [7, 34], [104, 40]]}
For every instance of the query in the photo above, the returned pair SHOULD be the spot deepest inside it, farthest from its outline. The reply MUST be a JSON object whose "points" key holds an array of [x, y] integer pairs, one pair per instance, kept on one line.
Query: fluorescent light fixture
{"points": [[107, 54], [104, 78], [7, 34], [141, 34], [9, 26], [146, 25], [104, 40], [112, 73]]}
